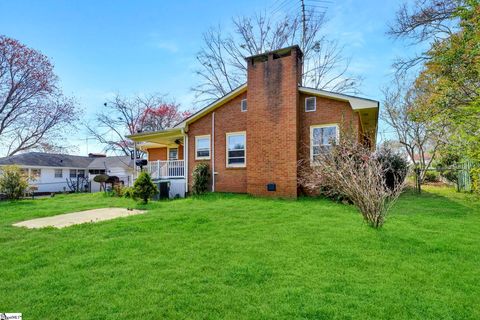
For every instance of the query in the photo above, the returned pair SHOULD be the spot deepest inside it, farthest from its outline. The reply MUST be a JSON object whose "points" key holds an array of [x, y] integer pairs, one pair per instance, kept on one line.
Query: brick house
{"points": [[254, 137]]}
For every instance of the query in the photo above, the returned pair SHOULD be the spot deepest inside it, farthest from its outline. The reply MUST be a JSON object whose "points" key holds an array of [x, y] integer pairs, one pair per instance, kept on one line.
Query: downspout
{"points": [[185, 159], [213, 151]]}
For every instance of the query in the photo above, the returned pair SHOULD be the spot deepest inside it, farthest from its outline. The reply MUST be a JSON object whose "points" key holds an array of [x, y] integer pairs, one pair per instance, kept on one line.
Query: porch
{"points": [[166, 169]]}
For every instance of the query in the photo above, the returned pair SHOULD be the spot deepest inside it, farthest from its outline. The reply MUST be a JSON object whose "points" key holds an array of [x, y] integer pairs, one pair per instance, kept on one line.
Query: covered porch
{"points": [[166, 153]]}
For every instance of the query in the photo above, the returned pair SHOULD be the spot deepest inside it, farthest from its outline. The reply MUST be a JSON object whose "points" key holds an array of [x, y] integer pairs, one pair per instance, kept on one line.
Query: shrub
{"points": [[475, 174], [144, 188], [201, 175], [447, 166], [395, 166], [128, 192], [118, 190], [12, 182], [102, 179], [352, 170], [431, 176]]}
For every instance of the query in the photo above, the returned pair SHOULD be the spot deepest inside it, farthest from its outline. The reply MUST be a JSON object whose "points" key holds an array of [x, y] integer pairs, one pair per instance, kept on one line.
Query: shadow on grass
{"points": [[446, 202]]}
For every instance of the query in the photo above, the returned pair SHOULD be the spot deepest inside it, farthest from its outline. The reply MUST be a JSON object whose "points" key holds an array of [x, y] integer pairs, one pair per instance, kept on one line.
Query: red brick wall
{"points": [[162, 153], [228, 118], [328, 111], [157, 154], [272, 125]]}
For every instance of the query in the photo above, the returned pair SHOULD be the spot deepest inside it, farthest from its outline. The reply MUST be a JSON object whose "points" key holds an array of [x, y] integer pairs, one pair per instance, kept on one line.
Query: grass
{"points": [[237, 257]]}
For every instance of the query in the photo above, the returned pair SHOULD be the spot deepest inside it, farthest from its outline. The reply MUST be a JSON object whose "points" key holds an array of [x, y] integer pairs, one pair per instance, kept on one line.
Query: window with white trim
{"points": [[236, 150], [73, 173], [310, 104], [243, 105], [81, 173], [35, 174], [202, 147], [322, 138], [172, 153], [58, 173]]}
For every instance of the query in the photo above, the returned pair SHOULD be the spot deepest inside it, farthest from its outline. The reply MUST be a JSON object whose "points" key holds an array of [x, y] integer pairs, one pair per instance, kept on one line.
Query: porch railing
{"points": [[166, 169]]}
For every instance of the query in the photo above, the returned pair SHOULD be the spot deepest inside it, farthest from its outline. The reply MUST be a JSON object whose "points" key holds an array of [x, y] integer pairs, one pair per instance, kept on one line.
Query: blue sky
{"points": [[102, 47]]}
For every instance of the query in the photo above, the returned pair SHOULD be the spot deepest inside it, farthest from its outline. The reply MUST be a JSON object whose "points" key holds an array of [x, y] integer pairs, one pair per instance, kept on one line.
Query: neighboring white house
{"points": [[50, 172], [121, 167]]}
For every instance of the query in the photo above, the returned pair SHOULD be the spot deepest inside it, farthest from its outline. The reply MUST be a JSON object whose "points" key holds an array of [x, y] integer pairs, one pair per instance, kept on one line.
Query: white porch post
{"points": [[134, 160]]}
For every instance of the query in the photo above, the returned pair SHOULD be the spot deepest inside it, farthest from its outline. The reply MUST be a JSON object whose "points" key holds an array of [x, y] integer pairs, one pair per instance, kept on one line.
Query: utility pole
{"points": [[304, 24]]}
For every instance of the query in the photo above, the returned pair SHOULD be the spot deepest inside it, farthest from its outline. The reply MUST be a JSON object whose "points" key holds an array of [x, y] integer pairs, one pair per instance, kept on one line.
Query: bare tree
{"points": [[222, 58], [419, 137], [351, 170], [125, 116], [33, 112], [423, 21]]}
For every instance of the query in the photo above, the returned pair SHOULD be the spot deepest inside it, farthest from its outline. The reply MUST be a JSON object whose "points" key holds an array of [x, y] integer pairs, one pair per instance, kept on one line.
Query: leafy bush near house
{"points": [[200, 174], [144, 188], [12, 182], [395, 166]]}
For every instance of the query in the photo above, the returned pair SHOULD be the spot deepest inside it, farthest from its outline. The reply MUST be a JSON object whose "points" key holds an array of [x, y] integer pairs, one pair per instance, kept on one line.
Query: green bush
{"points": [[201, 175], [431, 176], [12, 182], [118, 190], [128, 192], [395, 166], [144, 188]]}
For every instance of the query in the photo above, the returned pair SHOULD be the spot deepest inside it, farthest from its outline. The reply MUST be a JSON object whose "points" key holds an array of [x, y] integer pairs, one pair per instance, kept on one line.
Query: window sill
{"points": [[202, 159], [236, 167]]}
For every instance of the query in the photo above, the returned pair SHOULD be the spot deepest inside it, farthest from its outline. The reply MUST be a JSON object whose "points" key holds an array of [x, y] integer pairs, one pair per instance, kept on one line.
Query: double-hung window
{"points": [[172, 153], [310, 104], [35, 174], [202, 147], [322, 138], [58, 173], [73, 173], [243, 105], [236, 149]]}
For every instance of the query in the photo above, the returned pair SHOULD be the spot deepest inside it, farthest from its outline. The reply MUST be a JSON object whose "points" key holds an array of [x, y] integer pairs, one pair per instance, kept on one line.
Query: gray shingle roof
{"points": [[110, 162], [42, 159]]}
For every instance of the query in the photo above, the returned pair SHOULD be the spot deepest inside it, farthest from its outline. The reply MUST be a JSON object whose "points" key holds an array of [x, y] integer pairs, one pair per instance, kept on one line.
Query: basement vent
{"points": [[271, 187]]}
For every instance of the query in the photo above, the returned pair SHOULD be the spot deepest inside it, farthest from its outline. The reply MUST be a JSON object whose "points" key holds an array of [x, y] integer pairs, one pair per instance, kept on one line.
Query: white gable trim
{"points": [[212, 106], [356, 102]]}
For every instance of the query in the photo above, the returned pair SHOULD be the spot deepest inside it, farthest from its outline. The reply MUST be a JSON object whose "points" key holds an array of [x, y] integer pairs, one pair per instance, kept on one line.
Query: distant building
{"points": [[50, 172]]}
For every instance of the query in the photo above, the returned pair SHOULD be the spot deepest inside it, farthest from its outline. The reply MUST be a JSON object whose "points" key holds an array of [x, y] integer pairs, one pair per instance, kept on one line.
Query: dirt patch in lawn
{"points": [[70, 219]]}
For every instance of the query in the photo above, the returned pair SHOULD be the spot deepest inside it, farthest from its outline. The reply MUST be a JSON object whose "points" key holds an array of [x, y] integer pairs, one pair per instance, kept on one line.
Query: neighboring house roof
{"points": [[42, 159], [110, 162]]}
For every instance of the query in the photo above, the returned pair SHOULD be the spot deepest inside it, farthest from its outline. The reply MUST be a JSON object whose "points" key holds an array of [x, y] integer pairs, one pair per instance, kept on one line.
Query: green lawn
{"points": [[237, 257]]}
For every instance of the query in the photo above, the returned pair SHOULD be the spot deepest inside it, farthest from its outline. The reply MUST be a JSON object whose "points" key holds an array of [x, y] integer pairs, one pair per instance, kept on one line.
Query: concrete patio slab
{"points": [[70, 219]]}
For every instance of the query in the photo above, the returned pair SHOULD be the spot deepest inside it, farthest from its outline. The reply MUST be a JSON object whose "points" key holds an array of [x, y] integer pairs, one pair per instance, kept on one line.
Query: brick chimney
{"points": [[272, 122]]}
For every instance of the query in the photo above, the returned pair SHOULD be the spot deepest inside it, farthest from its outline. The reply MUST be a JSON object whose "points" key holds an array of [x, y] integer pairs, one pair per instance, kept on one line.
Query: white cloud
{"points": [[167, 46]]}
